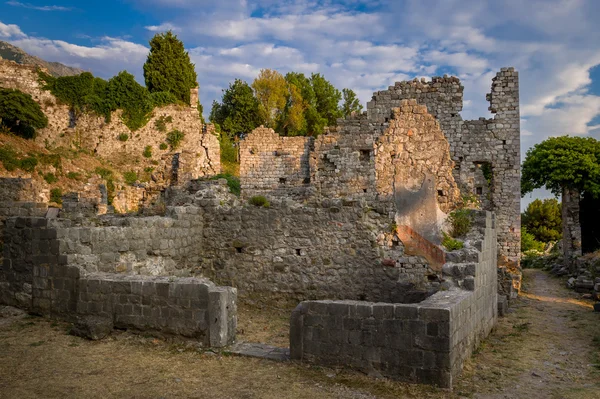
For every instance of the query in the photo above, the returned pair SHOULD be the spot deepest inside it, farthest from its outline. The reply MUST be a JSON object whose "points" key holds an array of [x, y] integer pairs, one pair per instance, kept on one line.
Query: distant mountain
{"points": [[13, 53]]}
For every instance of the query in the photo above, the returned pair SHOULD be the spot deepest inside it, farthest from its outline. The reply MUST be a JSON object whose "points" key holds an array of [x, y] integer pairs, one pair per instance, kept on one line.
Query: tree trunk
{"points": [[570, 223]]}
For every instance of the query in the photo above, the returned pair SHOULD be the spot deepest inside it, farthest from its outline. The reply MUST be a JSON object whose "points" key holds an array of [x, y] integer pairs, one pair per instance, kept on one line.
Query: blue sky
{"points": [[363, 45]]}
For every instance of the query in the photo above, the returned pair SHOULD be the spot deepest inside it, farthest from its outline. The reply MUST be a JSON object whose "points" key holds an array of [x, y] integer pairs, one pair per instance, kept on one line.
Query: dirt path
{"points": [[543, 349], [547, 347]]}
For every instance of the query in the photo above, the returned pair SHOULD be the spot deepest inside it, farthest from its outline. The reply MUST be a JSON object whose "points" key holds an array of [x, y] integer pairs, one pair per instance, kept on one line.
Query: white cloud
{"points": [[166, 26], [39, 8], [10, 31]]}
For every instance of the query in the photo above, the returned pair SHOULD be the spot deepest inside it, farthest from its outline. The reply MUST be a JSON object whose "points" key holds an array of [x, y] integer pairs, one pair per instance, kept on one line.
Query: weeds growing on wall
{"points": [[174, 138], [450, 243], [123, 137], [161, 123], [74, 176], [147, 152], [130, 177], [233, 182], [163, 146], [460, 222], [56, 195], [50, 178], [259, 200]]}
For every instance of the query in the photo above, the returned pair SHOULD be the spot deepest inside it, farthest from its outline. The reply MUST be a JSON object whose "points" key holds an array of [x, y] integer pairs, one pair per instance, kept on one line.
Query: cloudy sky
{"points": [[363, 45]]}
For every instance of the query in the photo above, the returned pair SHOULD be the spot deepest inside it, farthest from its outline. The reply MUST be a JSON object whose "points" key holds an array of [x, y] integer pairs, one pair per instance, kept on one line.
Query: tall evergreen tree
{"points": [[168, 67], [239, 111]]}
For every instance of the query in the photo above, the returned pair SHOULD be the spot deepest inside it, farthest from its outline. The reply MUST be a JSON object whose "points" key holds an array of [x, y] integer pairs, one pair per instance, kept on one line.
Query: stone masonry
{"points": [[426, 342]]}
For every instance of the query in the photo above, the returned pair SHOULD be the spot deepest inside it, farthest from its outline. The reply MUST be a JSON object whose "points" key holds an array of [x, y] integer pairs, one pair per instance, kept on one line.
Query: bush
{"points": [[20, 113], [460, 221], [51, 159], [104, 173], [123, 137], [232, 182], [50, 178], [130, 177], [28, 164], [162, 98], [259, 200], [174, 138], [74, 176], [529, 243], [163, 146], [229, 153], [450, 243], [147, 152], [56, 195], [8, 156]]}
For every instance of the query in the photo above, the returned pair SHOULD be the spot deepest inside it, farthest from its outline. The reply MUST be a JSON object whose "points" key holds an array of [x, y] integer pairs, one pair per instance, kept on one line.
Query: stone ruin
{"points": [[352, 231]]}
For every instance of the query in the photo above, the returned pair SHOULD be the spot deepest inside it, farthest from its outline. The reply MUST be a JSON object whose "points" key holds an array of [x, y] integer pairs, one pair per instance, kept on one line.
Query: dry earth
{"points": [[547, 347]]}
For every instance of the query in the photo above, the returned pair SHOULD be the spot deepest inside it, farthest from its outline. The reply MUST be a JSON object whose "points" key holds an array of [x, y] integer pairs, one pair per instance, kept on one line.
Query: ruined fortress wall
{"points": [[337, 250], [426, 342], [472, 143], [93, 133], [42, 274], [274, 164]]}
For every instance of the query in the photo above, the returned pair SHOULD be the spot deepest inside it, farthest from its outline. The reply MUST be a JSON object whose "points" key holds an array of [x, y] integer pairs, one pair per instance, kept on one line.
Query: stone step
{"points": [[261, 351]]}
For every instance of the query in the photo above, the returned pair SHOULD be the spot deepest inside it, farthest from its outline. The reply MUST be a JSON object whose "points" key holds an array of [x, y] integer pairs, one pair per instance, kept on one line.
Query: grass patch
{"points": [[50, 178], [130, 177], [259, 200], [56, 195], [74, 176], [174, 138], [460, 222], [233, 182], [123, 137], [451, 244], [147, 152]]}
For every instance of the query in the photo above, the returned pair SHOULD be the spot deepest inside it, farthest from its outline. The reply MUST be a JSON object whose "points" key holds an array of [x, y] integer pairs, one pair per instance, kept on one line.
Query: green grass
{"points": [[259, 200], [233, 182]]}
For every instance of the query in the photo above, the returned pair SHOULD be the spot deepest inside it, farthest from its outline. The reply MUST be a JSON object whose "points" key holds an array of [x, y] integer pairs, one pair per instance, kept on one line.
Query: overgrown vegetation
{"points": [[50, 178], [161, 123], [11, 160], [147, 152], [130, 177], [529, 243], [163, 146], [174, 138], [233, 182], [259, 200], [460, 222], [74, 176], [28, 164], [56, 195], [20, 114], [450, 243], [123, 137]]}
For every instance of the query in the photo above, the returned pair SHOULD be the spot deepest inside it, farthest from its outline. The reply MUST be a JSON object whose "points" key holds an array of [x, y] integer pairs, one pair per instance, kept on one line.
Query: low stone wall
{"points": [[425, 342], [41, 273]]}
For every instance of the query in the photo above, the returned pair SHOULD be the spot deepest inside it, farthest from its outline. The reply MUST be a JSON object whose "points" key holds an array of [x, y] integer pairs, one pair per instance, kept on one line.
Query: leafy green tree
{"points": [[20, 113], [327, 99], [293, 120], [543, 220], [351, 103], [558, 163], [168, 67], [271, 91], [239, 111]]}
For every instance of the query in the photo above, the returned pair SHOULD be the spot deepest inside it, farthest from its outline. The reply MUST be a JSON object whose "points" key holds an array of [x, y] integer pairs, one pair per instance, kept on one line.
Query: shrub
{"points": [[174, 138], [28, 164], [50, 178], [229, 153], [450, 243], [149, 169], [162, 98], [56, 195], [8, 156], [104, 173], [123, 137], [161, 124], [74, 175], [232, 182], [51, 159], [529, 243], [20, 113], [163, 146], [130, 177], [147, 152], [259, 200], [460, 220]]}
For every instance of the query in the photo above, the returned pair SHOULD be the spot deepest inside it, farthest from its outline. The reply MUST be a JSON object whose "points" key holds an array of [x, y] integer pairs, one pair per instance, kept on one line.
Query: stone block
{"points": [[92, 327]]}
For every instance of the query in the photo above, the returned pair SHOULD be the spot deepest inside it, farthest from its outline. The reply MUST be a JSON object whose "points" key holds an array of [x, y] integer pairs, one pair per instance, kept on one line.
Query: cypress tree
{"points": [[168, 67]]}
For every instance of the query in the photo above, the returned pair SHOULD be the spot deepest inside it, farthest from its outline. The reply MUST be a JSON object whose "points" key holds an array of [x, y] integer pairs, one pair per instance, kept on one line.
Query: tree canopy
{"points": [[351, 103], [239, 111], [168, 67], [20, 113], [271, 91], [563, 162], [543, 220]]}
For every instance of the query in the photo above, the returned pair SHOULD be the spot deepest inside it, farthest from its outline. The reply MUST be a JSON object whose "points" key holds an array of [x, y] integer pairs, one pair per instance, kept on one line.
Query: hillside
{"points": [[13, 53]]}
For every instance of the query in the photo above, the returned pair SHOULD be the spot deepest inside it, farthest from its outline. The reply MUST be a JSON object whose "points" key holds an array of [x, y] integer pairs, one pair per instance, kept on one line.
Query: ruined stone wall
{"points": [[495, 141], [334, 249], [275, 165], [41, 273], [426, 342], [571, 227], [91, 132]]}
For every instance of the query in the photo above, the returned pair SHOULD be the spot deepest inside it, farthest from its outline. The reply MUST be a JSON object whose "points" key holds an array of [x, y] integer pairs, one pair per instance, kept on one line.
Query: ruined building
{"points": [[352, 229]]}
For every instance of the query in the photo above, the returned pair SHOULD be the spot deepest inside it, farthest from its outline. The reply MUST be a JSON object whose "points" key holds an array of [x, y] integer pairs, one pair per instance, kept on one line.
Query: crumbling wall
{"points": [[570, 224], [426, 342], [92, 132], [275, 165], [44, 271]]}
